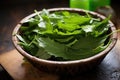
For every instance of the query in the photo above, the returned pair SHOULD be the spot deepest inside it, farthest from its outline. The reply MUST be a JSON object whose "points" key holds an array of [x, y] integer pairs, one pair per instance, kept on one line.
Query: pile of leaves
{"points": [[63, 35]]}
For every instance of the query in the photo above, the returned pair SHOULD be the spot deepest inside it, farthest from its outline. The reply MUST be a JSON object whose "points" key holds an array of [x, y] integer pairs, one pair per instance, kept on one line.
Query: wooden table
{"points": [[14, 64], [109, 69]]}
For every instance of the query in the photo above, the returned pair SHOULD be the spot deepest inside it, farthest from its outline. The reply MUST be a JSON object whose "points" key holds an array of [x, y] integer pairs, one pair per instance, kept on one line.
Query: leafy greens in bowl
{"points": [[64, 34]]}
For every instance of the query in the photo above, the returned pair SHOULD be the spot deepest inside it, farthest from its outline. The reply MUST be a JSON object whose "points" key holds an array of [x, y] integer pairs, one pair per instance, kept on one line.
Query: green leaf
{"points": [[89, 42], [88, 28], [68, 26], [77, 20], [102, 27], [85, 47], [64, 35], [20, 38], [41, 53], [52, 47]]}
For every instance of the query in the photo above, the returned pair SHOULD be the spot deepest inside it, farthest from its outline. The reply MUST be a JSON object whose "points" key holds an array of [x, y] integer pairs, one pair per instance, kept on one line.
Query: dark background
{"points": [[12, 11]]}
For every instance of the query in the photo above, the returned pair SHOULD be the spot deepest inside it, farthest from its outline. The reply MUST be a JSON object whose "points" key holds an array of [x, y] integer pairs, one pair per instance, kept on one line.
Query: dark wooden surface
{"points": [[13, 11]]}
